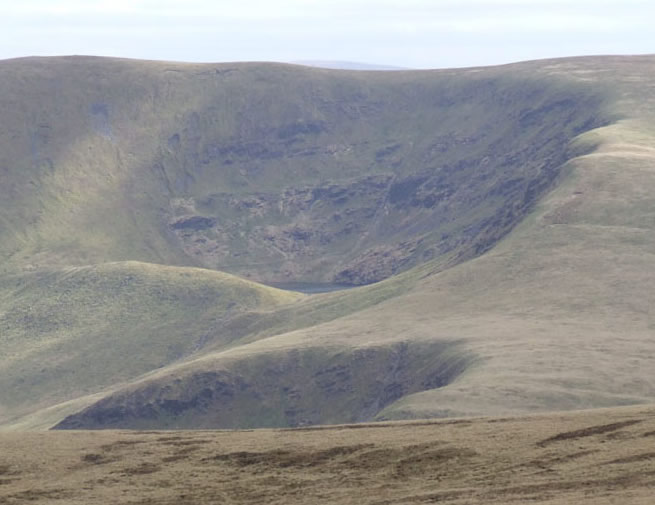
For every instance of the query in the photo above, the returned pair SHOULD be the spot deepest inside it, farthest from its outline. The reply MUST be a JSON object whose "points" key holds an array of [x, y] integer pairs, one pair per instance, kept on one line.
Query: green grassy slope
{"points": [[70, 332], [353, 177], [562, 309]]}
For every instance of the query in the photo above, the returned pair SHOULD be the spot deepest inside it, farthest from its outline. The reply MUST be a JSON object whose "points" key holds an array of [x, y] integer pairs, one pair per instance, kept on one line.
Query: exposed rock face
{"points": [[361, 230], [196, 223], [354, 190]]}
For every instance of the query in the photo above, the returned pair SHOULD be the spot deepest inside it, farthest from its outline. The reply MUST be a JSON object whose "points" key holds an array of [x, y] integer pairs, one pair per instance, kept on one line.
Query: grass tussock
{"points": [[452, 462]]}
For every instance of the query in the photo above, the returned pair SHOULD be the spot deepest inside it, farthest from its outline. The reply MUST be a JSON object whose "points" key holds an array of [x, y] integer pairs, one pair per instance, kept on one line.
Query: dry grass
{"points": [[593, 457]]}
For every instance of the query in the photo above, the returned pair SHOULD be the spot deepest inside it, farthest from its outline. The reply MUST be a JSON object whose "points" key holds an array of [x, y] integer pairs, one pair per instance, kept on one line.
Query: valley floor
{"points": [[596, 456]]}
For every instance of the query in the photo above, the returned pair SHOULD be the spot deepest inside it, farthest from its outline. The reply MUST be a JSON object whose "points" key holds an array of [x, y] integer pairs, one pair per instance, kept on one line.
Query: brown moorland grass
{"points": [[586, 457]]}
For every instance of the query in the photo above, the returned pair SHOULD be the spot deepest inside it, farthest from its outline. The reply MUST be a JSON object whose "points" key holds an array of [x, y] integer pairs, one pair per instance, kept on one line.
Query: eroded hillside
{"points": [[274, 172]]}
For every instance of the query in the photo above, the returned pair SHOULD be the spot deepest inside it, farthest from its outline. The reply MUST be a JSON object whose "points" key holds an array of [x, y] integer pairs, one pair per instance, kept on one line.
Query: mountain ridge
{"points": [[542, 247]]}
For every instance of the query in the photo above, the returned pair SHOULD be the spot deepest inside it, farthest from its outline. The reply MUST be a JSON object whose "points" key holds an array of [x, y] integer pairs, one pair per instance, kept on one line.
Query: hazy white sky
{"points": [[408, 33]]}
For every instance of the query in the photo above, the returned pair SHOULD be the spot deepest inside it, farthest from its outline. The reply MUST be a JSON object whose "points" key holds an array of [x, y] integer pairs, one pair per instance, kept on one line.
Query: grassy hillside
{"points": [[595, 457], [274, 172], [561, 309], [70, 332], [508, 209]]}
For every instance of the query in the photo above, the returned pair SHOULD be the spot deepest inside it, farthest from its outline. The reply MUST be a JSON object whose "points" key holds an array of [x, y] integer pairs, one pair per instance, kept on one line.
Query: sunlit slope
{"points": [[69, 332], [557, 316], [92, 330], [71, 336]]}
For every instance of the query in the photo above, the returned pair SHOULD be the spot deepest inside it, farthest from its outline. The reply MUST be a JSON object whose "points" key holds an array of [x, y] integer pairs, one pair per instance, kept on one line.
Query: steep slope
{"points": [[274, 172], [283, 173], [566, 317]]}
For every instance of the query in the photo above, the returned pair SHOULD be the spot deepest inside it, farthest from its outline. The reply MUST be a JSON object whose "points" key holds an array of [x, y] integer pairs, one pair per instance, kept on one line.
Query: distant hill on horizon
{"points": [[346, 65]]}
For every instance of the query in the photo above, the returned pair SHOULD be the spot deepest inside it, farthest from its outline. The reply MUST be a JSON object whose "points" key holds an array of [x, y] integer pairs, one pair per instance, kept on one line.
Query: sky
{"points": [[404, 33]]}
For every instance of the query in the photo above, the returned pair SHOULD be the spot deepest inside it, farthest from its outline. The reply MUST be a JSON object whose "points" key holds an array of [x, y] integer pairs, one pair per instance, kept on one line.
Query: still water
{"points": [[310, 288]]}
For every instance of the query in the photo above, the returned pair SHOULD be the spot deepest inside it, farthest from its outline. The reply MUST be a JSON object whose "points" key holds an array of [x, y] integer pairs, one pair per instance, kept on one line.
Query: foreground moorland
{"points": [[590, 457], [496, 226]]}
